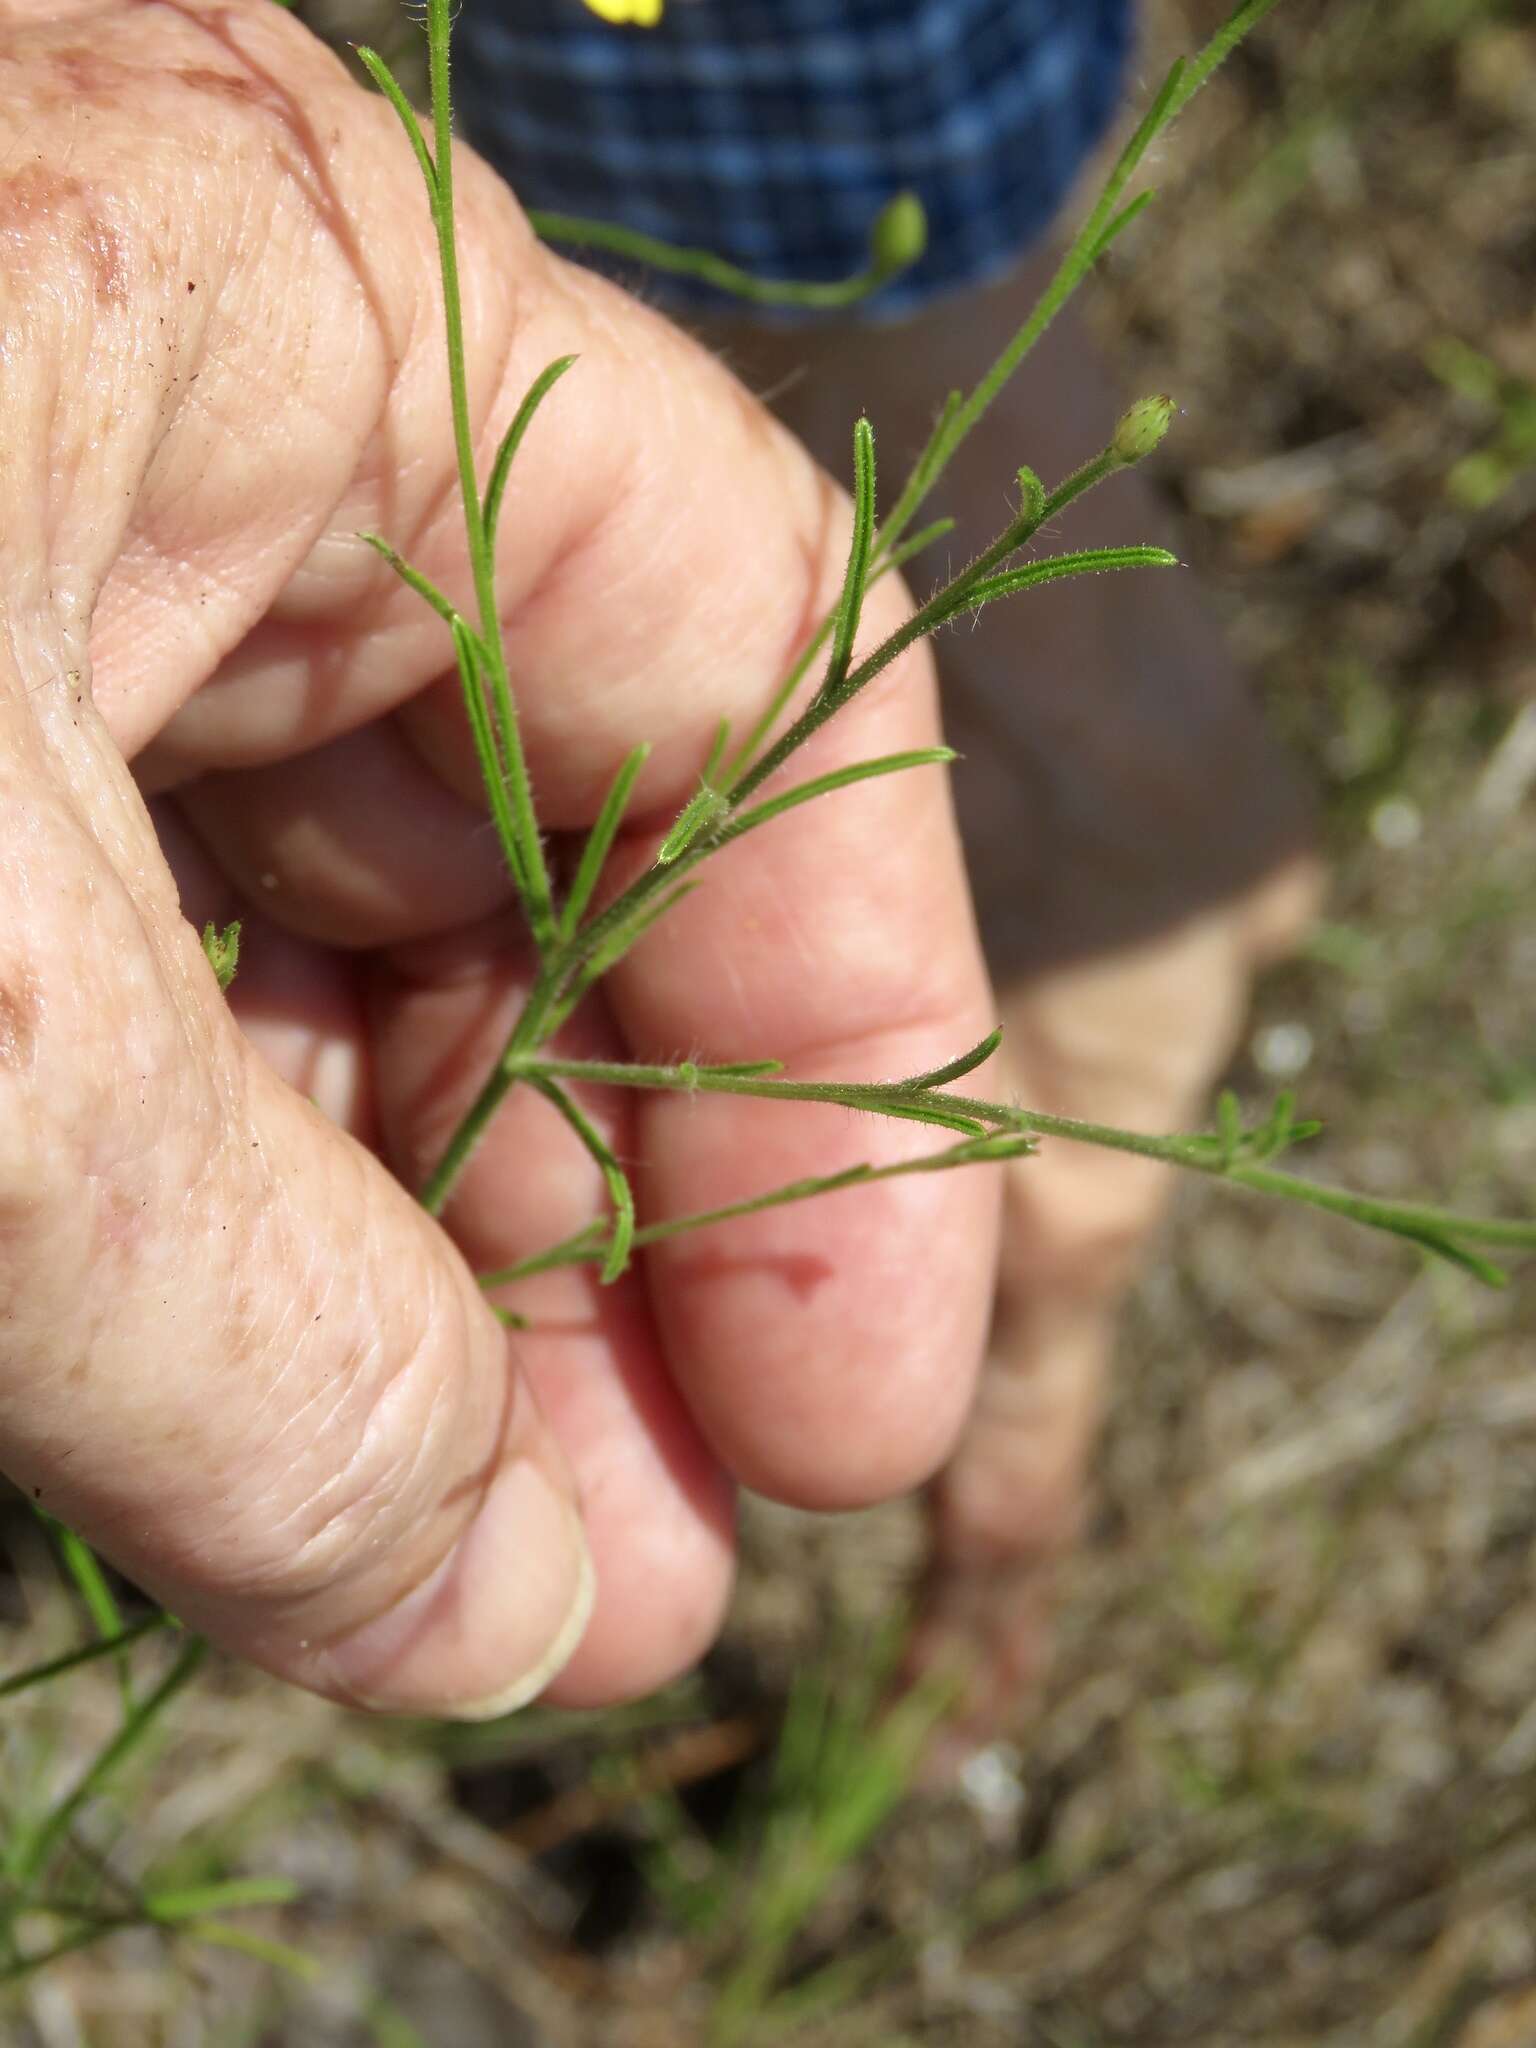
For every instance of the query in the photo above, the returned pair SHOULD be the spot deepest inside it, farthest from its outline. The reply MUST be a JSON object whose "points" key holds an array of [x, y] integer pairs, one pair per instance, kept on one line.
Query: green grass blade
{"points": [[196, 1902], [90, 1581], [136, 1726], [89, 1653], [467, 650]]}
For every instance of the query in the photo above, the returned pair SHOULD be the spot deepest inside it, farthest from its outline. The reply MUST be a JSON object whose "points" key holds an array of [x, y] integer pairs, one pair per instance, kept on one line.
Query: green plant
{"points": [[1481, 478], [739, 792]]}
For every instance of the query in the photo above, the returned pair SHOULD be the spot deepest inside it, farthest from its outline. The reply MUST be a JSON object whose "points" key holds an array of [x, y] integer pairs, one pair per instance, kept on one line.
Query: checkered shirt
{"points": [[772, 131]]}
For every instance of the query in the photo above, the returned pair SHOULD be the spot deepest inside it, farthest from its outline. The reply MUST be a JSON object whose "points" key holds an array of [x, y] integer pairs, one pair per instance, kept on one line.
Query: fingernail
{"points": [[497, 1619]]}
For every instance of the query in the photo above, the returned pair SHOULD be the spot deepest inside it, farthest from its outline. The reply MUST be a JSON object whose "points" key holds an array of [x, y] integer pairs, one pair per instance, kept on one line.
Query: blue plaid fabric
{"points": [[772, 131]]}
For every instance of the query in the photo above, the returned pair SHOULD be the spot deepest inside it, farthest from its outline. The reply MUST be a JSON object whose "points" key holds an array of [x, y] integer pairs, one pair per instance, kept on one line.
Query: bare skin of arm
{"points": [[234, 1352]]}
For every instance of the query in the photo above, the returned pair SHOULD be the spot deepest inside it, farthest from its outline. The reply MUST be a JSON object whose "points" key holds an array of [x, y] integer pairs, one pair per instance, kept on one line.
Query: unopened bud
{"points": [[1142, 428], [899, 235]]}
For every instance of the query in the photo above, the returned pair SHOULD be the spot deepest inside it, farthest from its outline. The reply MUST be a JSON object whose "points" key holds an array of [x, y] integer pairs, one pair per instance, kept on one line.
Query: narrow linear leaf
{"points": [[718, 745], [1087, 562], [1116, 227], [413, 578], [620, 1193], [88, 1578], [957, 1069], [389, 85], [612, 948], [703, 810], [743, 1070], [195, 1901], [838, 778], [1197, 70], [741, 762], [580, 1250], [90, 1582], [89, 1653], [925, 471], [467, 649], [851, 603], [1229, 1126], [922, 1113], [594, 854], [136, 1726], [512, 440]]}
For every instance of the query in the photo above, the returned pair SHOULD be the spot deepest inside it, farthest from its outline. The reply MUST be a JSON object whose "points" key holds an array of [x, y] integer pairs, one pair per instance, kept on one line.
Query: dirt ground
{"points": [[1281, 1787]]}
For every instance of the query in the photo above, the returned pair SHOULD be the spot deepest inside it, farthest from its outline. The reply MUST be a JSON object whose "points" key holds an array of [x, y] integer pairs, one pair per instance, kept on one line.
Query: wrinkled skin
{"points": [[236, 1354]]}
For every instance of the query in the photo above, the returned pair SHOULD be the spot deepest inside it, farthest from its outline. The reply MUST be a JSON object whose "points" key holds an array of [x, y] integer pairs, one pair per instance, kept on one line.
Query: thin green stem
{"points": [[620, 1193], [590, 1245], [535, 873], [890, 254], [136, 1726], [891, 1098], [1104, 223], [88, 1653], [90, 1581]]}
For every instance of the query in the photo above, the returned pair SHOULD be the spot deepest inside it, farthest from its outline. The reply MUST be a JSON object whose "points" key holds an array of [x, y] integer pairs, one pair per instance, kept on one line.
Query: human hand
{"points": [[237, 1356]]}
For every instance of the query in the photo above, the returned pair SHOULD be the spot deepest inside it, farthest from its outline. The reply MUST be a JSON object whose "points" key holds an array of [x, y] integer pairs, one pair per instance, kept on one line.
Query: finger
{"points": [[656, 1503], [828, 1348], [298, 1004], [235, 1353], [356, 842], [638, 607], [664, 556]]}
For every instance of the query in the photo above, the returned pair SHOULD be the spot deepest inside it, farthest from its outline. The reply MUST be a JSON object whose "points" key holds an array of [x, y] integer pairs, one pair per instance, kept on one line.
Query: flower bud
{"points": [[899, 235], [1142, 428]]}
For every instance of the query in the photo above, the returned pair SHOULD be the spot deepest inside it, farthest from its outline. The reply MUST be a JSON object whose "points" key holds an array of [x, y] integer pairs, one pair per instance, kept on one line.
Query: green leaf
{"points": [[620, 1193], [512, 440], [594, 854], [837, 778], [702, 812], [222, 951], [1087, 562], [851, 603], [413, 578], [957, 1069], [469, 652], [192, 1902], [89, 1653], [389, 85], [581, 1250]]}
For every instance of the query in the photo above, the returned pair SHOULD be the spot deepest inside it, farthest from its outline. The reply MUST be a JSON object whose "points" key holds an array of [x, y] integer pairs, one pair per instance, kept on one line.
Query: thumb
{"points": [[233, 1352]]}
